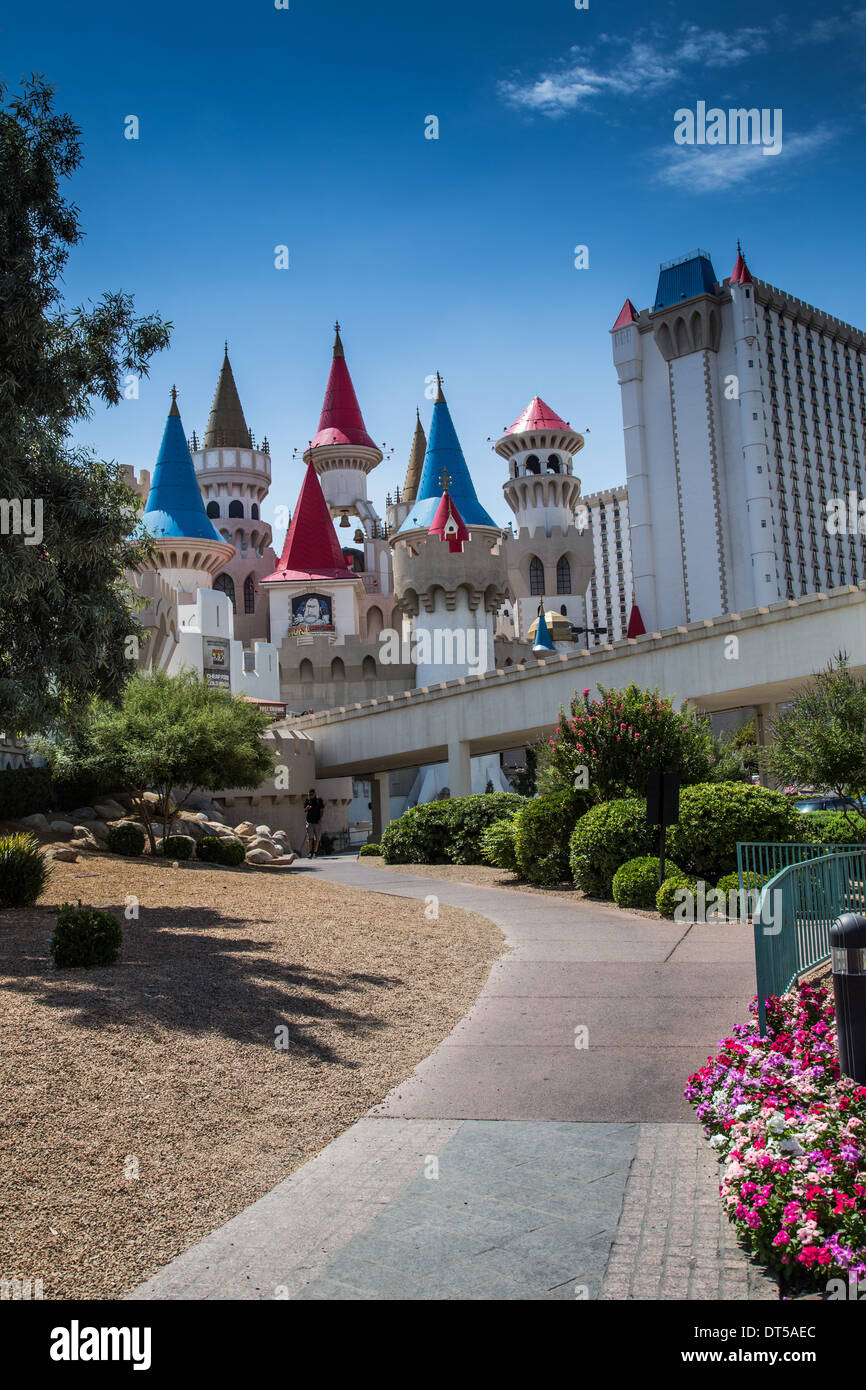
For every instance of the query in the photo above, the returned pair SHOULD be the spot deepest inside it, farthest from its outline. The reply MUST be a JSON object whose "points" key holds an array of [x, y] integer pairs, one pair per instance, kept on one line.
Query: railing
{"points": [[796, 908]]}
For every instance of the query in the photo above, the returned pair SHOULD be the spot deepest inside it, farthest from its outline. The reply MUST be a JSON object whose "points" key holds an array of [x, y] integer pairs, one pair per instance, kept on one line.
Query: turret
{"points": [[398, 510], [342, 451], [190, 549], [449, 567], [550, 557]]}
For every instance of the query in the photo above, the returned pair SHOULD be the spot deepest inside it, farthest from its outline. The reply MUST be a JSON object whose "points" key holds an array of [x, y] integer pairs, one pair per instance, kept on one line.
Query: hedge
{"points": [[542, 833], [715, 815], [605, 837], [497, 844], [831, 828], [215, 850], [446, 832], [636, 882]]}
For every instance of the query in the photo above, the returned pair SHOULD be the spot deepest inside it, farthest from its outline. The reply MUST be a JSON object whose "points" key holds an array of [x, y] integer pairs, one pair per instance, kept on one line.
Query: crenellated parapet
{"points": [[428, 576]]}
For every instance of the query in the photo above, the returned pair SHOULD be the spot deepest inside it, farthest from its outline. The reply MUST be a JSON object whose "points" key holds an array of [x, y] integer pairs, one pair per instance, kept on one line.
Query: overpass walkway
{"points": [[542, 1151]]}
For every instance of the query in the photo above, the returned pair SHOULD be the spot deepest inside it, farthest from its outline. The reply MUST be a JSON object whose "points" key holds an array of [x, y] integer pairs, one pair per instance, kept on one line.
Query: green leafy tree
{"points": [[168, 733], [819, 743], [625, 735], [65, 607]]}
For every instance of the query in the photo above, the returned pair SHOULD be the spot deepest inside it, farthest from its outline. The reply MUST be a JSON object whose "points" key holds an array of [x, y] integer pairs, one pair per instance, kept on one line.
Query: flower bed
{"points": [[789, 1131]]}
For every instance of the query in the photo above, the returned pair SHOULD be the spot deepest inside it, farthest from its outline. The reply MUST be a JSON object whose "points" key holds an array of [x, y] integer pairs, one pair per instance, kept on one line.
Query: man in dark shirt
{"points": [[313, 807]]}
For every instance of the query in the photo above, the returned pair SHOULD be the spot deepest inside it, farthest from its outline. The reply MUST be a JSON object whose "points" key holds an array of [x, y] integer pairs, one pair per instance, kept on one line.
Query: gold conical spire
{"points": [[226, 426], [416, 461]]}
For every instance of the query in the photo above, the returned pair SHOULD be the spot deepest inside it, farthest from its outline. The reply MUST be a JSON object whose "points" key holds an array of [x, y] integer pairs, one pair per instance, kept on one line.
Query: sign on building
{"points": [[216, 663], [312, 613]]}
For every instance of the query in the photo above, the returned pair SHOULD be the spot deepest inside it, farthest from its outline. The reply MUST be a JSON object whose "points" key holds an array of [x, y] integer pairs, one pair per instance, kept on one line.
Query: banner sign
{"points": [[311, 613]]}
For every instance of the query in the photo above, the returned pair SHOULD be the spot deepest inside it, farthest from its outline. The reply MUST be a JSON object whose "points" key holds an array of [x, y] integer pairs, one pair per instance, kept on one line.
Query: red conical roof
{"points": [[739, 267], [635, 623], [538, 416], [312, 550], [448, 524], [341, 421], [627, 314]]}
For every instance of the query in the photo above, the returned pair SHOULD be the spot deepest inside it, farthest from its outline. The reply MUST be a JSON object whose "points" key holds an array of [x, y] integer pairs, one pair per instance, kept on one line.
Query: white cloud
{"points": [[714, 168]]}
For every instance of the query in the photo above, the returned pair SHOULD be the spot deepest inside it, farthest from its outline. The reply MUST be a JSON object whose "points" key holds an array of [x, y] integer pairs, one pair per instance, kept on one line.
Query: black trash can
{"points": [[848, 947]]}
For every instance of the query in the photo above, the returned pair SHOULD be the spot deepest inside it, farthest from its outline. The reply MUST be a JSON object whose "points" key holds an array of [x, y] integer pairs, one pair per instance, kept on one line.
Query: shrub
{"points": [[731, 882], [497, 843], [715, 815], [24, 870], [215, 850], [446, 832], [542, 832], [126, 839], [84, 936], [371, 850], [605, 837], [636, 882], [179, 847], [830, 828], [667, 899], [24, 791]]}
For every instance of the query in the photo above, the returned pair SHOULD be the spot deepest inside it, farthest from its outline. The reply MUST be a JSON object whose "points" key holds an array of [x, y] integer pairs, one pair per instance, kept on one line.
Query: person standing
{"points": [[313, 807]]}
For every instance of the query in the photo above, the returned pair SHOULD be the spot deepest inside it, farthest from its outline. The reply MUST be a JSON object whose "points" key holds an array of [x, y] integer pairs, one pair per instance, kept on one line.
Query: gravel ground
{"points": [[145, 1104]]}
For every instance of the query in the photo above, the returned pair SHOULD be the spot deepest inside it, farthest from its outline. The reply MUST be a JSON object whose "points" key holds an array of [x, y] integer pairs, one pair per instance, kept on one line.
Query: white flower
{"points": [[776, 1123]]}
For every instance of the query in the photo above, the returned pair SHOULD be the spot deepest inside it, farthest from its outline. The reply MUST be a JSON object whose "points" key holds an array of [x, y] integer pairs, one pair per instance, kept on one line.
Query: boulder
{"points": [[109, 810], [36, 822], [188, 825], [259, 856], [83, 813], [261, 842], [264, 830], [245, 828], [99, 829], [66, 853], [83, 832], [82, 842], [62, 827]]}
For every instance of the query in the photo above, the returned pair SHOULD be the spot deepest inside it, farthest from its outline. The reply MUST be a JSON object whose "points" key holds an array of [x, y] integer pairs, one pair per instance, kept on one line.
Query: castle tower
{"points": [[450, 586], [398, 510], [234, 478], [550, 559], [342, 451], [756, 458], [191, 552]]}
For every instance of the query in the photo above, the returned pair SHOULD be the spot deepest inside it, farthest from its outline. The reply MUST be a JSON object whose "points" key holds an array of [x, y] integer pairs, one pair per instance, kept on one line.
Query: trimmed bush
{"points": [[636, 882], [497, 844], [830, 828], [715, 815], [370, 850], [85, 937], [179, 847], [126, 839], [215, 850], [731, 882], [24, 870], [666, 897], [24, 791], [542, 832], [446, 832], [605, 837]]}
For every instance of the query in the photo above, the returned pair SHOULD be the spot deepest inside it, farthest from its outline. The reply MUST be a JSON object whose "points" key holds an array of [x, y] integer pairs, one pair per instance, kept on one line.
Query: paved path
{"points": [[543, 1151]]}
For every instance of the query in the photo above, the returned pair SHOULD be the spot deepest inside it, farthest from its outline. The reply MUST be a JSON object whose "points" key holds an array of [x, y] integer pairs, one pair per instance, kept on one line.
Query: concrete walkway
{"points": [[543, 1150]]}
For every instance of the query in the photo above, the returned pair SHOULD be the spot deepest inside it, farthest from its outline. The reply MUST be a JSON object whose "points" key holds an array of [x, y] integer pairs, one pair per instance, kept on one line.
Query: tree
{"points": [[625, 735], [819, 743], [167, 733], [65, 608]]}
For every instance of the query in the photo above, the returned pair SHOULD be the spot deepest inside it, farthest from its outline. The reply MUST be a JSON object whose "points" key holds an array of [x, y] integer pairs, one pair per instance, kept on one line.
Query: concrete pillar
{"points": [[380, 786], [459, 768]]}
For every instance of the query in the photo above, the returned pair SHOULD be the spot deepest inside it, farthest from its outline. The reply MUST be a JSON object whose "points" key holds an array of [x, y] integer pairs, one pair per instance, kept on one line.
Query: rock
{"points": [[261, 842], [259, 856], [83, 813], [246, 827], [188, 825], [109, 810], [286, 858], [218, 817], [264, 830], [98, 828], [83, 832], [36, 822], [62, 827], [67, 854], [80, 843], [202, 816]]}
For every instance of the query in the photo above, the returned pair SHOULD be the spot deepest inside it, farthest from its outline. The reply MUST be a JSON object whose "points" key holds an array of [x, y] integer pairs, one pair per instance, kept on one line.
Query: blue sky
{"points": [[305, 127]]}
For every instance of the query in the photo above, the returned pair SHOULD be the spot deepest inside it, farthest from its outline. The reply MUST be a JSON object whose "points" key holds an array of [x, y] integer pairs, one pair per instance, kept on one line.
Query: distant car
{"points": [[820, 803]]}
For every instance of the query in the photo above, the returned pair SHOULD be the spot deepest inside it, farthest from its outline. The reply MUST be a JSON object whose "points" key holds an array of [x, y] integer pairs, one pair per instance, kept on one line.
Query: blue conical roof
{"points": [[174, 503], [444, 453], [542, 637]]}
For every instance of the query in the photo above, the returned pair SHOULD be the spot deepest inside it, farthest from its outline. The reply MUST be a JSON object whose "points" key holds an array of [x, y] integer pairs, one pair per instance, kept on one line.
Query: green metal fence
{"points": [[799, 901]]}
